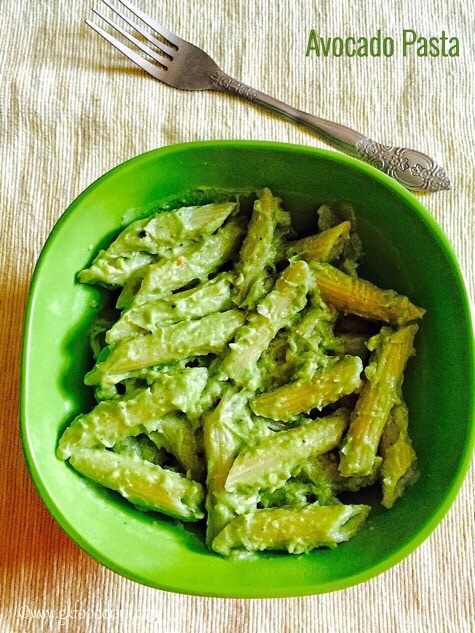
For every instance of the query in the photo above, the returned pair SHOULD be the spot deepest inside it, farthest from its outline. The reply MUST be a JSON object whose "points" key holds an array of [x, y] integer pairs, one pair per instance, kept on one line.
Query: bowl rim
{"points": [[155, 154]]}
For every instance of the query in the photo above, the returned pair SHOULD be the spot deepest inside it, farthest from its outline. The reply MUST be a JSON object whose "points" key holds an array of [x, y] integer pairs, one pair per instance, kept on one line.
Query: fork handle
{"points": [[413, 169]]}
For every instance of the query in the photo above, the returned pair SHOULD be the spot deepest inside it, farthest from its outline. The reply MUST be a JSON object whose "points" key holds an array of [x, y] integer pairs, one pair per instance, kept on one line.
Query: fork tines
{"points": [[163, 50]]}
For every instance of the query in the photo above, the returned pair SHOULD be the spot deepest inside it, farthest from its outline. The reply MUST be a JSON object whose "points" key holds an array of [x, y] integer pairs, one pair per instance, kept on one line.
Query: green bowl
{"points": [[405, 250]]}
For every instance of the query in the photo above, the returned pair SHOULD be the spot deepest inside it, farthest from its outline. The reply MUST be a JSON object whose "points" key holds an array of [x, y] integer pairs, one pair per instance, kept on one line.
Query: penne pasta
{"points": [[287, 298], [384, 376], [249, 379], [324, 247], [354, 295], [259, 249], [273, 461], [111, 421], [169, 343], [144, 484], [338, 379], [399, 460], [162, 235], [296, 530]]}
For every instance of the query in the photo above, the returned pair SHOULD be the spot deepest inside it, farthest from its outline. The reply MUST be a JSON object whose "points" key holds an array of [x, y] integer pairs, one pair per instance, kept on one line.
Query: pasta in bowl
{"points": [[254, 376]]}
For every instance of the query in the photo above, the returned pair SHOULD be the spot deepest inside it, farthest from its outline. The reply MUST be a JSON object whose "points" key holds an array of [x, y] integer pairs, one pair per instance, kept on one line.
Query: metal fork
{"points": [[182, 65]]}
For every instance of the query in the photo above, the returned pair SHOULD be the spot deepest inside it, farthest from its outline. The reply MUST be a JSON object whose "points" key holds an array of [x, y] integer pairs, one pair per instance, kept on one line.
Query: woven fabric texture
{"points": [[71, 109]]}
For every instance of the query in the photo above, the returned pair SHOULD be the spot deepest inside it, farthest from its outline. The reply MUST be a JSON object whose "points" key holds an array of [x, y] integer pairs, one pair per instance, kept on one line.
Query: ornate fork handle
{"points": [[413, 169]]}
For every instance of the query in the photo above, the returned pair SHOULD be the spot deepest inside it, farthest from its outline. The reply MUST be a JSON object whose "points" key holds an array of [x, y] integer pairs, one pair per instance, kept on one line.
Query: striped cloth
{"points": [[72, 108]]}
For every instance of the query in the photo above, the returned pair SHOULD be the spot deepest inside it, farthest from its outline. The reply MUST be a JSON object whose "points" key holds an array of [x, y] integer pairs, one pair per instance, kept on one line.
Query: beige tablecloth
{"points": [[71, 108]]}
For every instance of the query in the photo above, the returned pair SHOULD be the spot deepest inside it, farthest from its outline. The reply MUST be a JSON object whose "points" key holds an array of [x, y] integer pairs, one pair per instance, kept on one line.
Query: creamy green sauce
{"points": [[231, 389]]}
